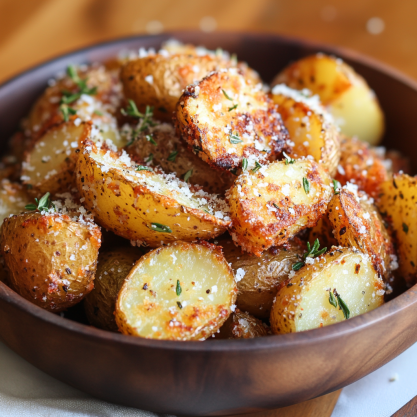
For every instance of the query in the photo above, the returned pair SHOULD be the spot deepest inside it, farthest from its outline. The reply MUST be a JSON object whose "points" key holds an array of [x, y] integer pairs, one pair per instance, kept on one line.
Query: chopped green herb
{"points": [[31, 207], [69, 97], [258, 166], [342, 305], [306, 185], [332, 299], [158, 227], [288, 159], [234, 138], [233, 107], [143, 168], [44, 203], [149, 138], [98, 113], [179, 304], [81, 84], [312, 252], [197, 149], [172, 156], [405, 228], [275, 205], [178, 289], [336, 187], [227, 96], [244, 164], [67, 111], [149, 158], [187, 175]]}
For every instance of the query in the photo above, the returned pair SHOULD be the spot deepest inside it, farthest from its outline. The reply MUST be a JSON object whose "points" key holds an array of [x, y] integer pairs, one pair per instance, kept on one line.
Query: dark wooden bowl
{"points": [[218, 377]]}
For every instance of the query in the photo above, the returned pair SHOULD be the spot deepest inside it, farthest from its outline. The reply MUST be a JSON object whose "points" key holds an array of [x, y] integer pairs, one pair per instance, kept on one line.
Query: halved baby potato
{"points": [[112, 269], [159, 79], [357, 223], [225, 118], [51, 257], [259, 278], [274, 203], [144, 205], [338, 285], [311, 128], [171, 153], [184, 291], [342, 90], [398, 205]]}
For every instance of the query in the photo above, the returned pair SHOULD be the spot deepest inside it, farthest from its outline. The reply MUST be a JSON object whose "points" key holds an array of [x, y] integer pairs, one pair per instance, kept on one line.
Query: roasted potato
{"points": [[361, 164], [274, 203], [46, 110], [342, 90], [338, 285], [259, 278], [184, 291], [357, 223], [398, 205], [112, 269], [311, 129], [172, 155], [142, 205], [241, 325], [51, 257], [49, 166], [323, 231], [158, 80], [225, 118]]}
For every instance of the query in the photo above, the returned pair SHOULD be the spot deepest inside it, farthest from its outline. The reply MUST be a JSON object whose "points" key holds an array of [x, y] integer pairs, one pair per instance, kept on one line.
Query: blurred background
{"points": [[32, 31]]}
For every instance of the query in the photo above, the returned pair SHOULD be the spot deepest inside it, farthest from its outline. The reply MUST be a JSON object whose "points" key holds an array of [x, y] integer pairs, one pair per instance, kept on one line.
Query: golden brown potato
{"points": [[225, 118], [46, 110], [52, 257], [311, 129], [145, 205], [357, 223], [336, 286], [259, 278], [398, 205], [158, 80], [343, 91], [50, 164], [184, 291], [112, 269], [241, 325], [172, 155], [273, 204], [323, 231], [362, 165]]}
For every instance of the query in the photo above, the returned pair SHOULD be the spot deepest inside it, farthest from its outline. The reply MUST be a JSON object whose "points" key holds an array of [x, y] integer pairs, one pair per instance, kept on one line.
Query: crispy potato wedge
{"points": [[51, 257], [357, 223], [142, 205], [184, 291], [225, 118], [323, 231], [273, 204], [342, 90], [159, 79], [241, 325], [46, 110], [398, 205], [172, 155], [362, 165], [112, 269], [311, 128], [304, 303], [259, 278], [49, 166]]}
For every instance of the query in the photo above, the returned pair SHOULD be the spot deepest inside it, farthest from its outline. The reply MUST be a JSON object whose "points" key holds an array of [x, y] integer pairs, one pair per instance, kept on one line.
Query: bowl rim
{"points": [[273, 342]]}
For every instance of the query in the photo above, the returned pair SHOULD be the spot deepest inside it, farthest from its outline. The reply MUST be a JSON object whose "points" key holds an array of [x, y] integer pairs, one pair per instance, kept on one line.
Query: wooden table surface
{"points": [[34, 30]]}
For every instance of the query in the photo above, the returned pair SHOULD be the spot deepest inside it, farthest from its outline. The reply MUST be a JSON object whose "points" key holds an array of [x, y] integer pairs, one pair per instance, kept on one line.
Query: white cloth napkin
{"points": [[27, 392]]}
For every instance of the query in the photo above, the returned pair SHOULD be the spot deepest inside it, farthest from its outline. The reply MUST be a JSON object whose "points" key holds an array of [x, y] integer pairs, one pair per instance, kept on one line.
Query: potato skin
{"points": [[241, 325], [169, 75], [222, 104], [270, 206], [304, 304], [112, 269], [323, 231], [212, 180], [52, 259], [262, 276]]}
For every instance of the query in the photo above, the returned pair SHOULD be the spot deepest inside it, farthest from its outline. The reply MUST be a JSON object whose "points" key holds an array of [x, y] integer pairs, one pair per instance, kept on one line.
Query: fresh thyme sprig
{"points": [[312, 252], [43, 204], [333, 296], [288, 159]]}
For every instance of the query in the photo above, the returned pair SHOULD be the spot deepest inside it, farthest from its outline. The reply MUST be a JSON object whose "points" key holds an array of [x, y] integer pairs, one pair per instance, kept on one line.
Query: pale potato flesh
{"points": [[184, 291], [303, 303], [270, 206]]}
